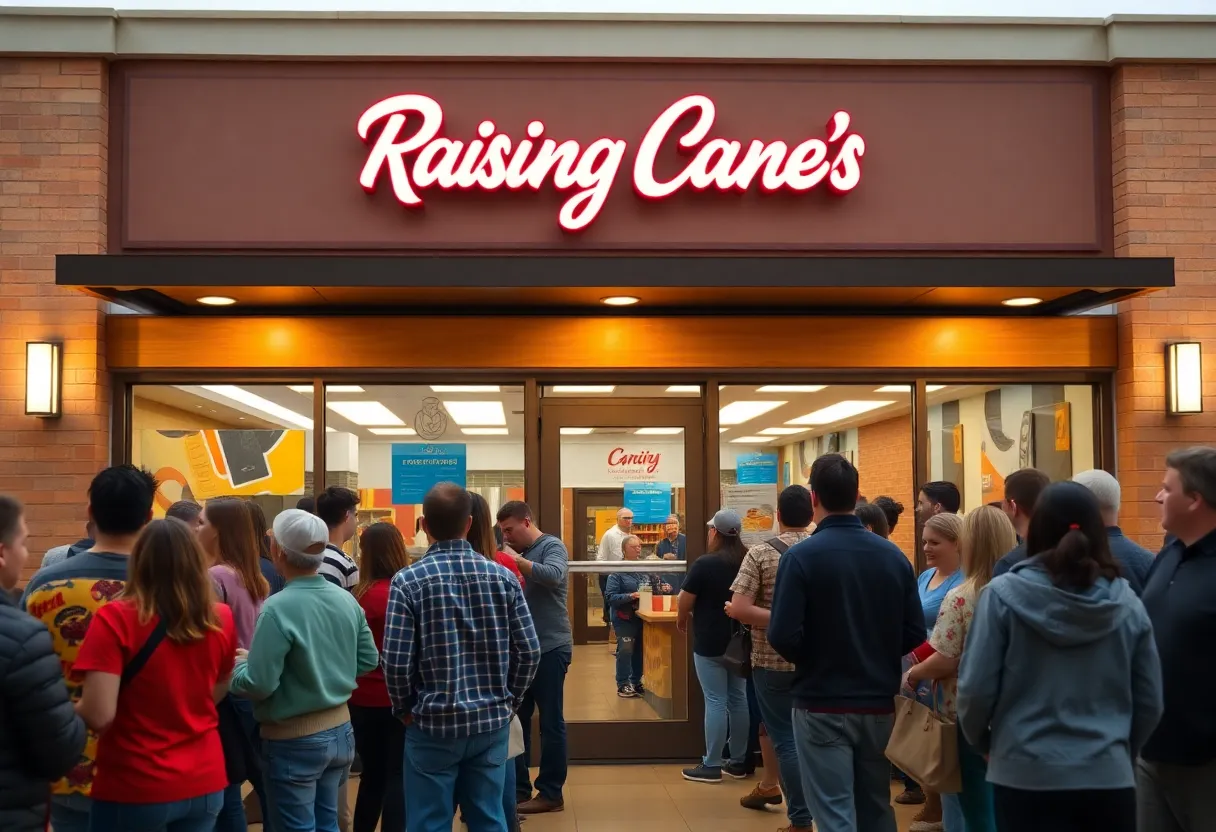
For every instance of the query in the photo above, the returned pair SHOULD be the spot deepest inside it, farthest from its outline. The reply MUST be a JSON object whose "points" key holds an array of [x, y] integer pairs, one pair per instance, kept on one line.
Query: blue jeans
{"points": [[776, 700], [508, 795], [302, 778], [971, 810], [470, 771], [548, 692], [628, 651], [194, 815], [725, 709], [846, 776], [70, 813]]}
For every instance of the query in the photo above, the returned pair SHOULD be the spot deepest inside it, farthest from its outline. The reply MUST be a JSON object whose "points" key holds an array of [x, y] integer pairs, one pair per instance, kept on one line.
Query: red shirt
{"points": [[164, 744], [372, 691]]}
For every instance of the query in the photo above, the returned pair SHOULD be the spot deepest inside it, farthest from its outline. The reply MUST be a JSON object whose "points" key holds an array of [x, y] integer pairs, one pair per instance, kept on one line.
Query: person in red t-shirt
{"points": [[155, 662], [379, 736]]}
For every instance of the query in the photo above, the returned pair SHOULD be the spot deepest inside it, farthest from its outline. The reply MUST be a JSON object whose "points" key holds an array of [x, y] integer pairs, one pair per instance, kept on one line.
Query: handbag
{"points": [[738, 655], [924, 744]]}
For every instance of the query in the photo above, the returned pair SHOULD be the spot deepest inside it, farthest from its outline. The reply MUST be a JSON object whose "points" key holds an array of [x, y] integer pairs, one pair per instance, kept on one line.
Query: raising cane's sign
{"points": [[403, 134]]}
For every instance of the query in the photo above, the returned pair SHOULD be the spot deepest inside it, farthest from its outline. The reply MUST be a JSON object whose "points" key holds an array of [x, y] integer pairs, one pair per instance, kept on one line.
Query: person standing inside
{"points": [[751, 603], [41, 737], [544, 563], [311, 644], [337, 507], [1060, 684], [455, 601], [155, 662], [622, 598], [673, 546], [67, 596], [610, 551], [1022, 490], [379, 735], [1176, 774], [1134, 560], [703, 599], [845, 613]]}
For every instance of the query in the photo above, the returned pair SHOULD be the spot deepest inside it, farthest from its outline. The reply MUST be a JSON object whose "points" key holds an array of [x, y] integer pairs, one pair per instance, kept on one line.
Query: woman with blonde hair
{"points": [[987, 535], [379, 736], [155, 662]]}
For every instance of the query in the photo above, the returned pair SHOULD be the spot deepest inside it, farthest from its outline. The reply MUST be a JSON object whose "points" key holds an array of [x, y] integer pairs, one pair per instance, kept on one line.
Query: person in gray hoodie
{"points": [[1060, 684]]}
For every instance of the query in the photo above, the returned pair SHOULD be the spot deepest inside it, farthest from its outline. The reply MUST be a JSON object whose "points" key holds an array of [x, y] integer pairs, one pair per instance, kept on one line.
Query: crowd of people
{"points": [[155, 668]]}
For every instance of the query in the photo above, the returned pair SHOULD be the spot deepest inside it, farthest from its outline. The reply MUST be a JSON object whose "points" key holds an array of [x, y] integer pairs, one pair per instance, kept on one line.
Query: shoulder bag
{"points": [[925, 745], [145, 652]]}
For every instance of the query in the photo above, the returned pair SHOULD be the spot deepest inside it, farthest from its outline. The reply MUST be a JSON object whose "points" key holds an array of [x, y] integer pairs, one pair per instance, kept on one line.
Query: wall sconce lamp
{"points": [[43, 379], [1183, 379]]}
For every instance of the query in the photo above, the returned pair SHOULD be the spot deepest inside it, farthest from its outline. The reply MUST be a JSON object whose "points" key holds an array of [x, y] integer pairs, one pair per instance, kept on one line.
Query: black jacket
{"points": [[41, 737], [846, 610]]}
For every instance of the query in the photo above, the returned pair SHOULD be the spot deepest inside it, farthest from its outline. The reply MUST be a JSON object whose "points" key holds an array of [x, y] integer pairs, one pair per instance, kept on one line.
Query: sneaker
{"points": [[638, 689], [737, 770], [760, 797], [703, 774], [910, 797], [626, 692]]}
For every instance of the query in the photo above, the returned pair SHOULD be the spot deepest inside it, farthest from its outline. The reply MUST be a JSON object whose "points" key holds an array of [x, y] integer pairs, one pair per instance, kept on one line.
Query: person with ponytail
{"points": [[1060, 684]]}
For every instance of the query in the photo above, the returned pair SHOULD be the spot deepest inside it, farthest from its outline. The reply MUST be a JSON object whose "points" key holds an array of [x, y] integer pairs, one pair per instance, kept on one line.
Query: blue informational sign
{"points": [[417, 468], [756, 469], [650, 502]]}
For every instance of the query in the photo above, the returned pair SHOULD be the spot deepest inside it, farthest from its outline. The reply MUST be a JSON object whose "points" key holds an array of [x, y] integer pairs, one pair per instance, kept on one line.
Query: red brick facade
{"points": [[1164, 135], [884, 460], [54, 127]]}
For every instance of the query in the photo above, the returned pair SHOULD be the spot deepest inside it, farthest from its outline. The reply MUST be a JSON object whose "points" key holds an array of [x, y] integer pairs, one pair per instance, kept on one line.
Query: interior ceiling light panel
{"points": [[365, 414], [736, 413], [468, 414], [838, 412]]}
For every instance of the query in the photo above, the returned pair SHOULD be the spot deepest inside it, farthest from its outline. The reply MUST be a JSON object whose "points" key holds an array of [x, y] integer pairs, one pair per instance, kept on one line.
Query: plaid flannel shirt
{"points": [[460, 648]]}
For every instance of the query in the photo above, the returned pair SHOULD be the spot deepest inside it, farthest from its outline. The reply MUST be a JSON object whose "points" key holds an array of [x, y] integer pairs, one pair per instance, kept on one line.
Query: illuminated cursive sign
{"points": [[416, 157], [648, 461]]}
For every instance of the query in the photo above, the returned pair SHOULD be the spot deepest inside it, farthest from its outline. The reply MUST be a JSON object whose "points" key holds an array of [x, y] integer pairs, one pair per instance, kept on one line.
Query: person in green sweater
{"points": [[310, 644]]}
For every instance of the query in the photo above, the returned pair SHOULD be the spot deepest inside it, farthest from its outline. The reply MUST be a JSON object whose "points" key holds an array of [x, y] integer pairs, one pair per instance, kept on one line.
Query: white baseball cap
{"points": [[300, 532]]}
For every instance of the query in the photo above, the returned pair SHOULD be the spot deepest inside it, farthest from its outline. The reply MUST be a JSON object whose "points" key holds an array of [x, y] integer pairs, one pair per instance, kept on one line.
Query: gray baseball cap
{"points": [[727, 522]]}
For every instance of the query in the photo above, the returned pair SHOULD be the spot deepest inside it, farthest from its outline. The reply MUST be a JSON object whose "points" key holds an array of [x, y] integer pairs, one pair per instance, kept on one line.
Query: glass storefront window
{"points": [[980, 434]]}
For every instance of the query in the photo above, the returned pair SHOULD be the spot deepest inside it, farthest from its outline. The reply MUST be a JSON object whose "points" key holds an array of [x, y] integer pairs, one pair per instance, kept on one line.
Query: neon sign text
{"points": [[421, 158]]}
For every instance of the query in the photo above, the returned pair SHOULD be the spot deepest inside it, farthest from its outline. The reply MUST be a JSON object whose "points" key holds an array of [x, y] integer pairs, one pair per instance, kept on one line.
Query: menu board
{"points": [[757, 505]]}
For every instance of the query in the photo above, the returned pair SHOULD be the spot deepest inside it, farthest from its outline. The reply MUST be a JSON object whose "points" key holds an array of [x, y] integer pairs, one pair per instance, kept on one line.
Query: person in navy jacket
{"points": [[621, 594]]}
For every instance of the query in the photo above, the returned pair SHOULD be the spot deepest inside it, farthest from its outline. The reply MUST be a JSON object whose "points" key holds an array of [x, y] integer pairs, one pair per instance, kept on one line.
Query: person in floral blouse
{"points": [[987, 536]]}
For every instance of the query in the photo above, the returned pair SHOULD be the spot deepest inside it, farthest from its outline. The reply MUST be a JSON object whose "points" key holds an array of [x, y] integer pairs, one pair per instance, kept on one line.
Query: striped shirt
{"points": [[460, 649], [338, 568]]}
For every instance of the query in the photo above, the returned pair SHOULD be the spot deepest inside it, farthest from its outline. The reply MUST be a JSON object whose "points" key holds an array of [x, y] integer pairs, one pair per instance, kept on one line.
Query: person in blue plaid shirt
{"points": [[459, 652]]}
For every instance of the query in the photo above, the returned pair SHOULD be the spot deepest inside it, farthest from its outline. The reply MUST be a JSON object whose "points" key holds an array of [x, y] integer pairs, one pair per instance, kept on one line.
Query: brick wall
{"points": [[884, 461], [53, 134], [1164, 142]]}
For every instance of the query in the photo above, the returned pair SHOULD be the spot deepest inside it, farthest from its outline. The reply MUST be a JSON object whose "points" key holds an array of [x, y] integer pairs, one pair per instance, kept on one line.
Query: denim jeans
{"points": [[971, 809], [548, 694], [776, 700], [628, 651], [302, 777], [194, 815], [469, 771], [725, 709], [845, 772], [70, 813], [508, 796]]}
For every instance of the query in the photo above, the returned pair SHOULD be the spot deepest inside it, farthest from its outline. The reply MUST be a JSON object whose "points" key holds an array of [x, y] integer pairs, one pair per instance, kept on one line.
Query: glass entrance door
{"points": [[623, 484]]}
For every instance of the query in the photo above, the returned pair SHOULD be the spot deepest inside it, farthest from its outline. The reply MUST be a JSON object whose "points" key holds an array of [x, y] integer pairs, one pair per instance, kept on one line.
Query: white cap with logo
{"points": [[300, 533]]}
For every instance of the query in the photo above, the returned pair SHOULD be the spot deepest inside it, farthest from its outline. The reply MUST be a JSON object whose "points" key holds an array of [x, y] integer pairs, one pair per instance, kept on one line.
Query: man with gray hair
{"points": [[311, 643], [1134, 560]]}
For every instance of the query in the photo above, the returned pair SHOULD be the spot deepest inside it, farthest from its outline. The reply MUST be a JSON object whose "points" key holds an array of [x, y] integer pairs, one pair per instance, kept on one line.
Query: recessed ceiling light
{"points": [[619, 300], [306, 389], [781, 431], [791, 388], [484, 431], [575, 431], [583, 388], [216, 300], [476, 413], [907, 388], [393, 431], [365, 413], [684, 388], [736, 413], [658, 431], [252, 400], [752, 440], [1021, 301], [836, 412], [465, 388]]}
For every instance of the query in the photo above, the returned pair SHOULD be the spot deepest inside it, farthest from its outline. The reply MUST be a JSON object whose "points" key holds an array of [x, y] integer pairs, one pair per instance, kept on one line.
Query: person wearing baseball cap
{"points": [[703, 597], [311, 643]]}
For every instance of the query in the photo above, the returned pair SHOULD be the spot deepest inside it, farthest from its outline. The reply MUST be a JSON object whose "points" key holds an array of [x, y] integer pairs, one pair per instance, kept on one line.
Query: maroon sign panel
{"points": [[586, 157]]}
